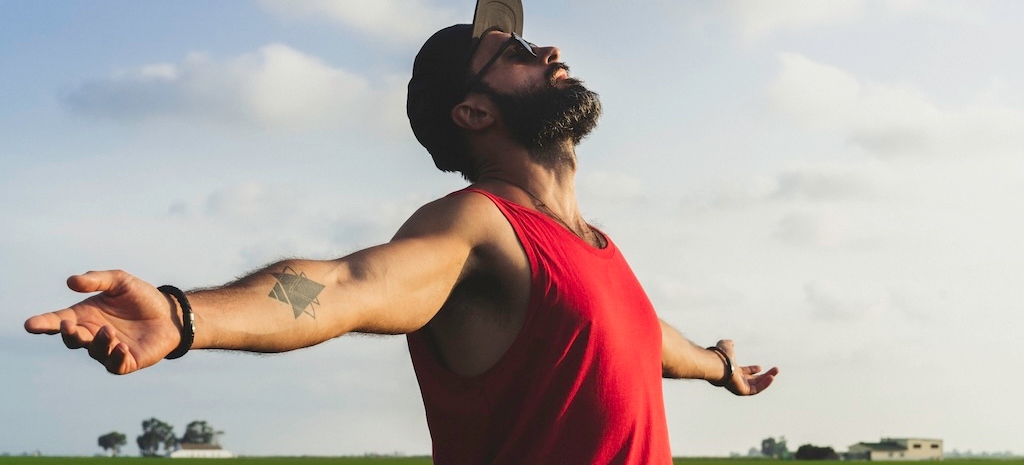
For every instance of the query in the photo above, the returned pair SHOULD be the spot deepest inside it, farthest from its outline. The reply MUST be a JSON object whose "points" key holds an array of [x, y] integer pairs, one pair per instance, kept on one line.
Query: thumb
{"points": [[98, 281]]}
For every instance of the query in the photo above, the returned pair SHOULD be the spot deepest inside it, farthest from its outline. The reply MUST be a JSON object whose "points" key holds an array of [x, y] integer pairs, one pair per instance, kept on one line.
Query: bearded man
{"points": [[532, 341]]}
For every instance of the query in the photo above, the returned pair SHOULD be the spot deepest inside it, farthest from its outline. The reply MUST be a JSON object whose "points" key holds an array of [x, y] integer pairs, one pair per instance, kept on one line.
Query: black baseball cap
{"points": [[439, 75]]}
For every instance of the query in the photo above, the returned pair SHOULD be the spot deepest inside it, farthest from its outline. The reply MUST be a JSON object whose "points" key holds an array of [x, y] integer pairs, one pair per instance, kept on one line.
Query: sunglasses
{"points": [[526, 47]]}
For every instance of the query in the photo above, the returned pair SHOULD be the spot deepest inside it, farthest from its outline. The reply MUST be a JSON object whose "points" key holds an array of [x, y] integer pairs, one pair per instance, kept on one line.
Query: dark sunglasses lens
{"points": [[523, 43]]}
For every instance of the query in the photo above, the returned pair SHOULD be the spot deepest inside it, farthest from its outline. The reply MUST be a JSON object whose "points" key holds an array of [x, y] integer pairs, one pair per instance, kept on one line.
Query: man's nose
{"points": [[548, 54]]}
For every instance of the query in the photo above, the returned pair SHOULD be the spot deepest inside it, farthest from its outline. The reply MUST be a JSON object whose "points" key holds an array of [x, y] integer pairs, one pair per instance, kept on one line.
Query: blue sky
{"points": [[835, 185]]}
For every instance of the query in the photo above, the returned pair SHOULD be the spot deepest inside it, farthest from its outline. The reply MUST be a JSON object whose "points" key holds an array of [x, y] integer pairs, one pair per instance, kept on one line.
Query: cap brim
{"points": [[503, 15]]}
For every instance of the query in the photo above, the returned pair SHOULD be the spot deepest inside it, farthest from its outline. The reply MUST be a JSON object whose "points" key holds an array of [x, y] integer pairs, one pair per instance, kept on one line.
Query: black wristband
{"points": [[729, 368], [188, 322]]}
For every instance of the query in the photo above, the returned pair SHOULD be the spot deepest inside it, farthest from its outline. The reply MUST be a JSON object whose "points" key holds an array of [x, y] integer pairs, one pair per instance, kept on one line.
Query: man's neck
{"points": [[548, 175], [546, 181]]}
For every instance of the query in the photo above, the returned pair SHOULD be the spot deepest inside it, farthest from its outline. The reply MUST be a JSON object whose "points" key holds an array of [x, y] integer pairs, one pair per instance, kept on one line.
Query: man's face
{"points": [[542, 107]]}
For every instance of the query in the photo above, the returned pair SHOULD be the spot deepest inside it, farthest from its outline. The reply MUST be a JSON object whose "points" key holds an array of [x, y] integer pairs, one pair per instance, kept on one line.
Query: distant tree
{"points": [[155, 433], [199, 432], [112, 442], [781, 451], [812, 452], [775, 448]]}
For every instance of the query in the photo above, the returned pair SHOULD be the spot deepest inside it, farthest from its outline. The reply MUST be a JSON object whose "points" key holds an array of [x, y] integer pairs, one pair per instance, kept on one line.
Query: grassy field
{"points": [[403, 461]]}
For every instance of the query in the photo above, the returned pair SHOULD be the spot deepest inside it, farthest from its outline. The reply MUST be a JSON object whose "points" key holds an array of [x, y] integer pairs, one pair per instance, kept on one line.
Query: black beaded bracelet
{"points": [[729, 368], [188, 322]]}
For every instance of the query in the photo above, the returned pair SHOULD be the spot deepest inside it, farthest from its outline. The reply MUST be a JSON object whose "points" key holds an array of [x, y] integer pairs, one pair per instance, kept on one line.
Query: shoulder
{"points": [[470, 223], [465, 214]]}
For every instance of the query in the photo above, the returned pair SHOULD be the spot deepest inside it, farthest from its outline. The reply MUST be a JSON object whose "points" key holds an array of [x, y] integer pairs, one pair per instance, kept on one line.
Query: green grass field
{"points": [[404, 461]]}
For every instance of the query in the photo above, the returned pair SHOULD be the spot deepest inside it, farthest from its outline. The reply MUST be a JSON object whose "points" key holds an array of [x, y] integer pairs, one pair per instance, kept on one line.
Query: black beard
{"points": [[544, 118]]}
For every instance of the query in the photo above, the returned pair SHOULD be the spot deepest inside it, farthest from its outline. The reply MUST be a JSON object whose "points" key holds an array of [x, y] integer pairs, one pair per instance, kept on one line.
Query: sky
{"points": [[837, 186]]}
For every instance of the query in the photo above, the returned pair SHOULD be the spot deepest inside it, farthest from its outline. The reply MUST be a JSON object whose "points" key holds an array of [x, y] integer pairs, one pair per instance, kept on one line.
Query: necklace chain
{"points": [[537, 202]]}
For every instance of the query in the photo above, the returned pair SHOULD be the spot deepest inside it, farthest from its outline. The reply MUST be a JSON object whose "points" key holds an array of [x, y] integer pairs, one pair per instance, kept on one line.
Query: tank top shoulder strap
{"points": [[511, 210], [514, 214], [535, 229]]}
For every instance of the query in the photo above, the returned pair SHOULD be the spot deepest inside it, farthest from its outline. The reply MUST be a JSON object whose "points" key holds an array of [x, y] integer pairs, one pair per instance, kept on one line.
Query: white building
{"points": [[891, 449]]}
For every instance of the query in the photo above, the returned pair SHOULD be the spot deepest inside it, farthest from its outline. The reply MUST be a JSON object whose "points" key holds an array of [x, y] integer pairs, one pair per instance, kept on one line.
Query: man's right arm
{"points": [[393, 288]]}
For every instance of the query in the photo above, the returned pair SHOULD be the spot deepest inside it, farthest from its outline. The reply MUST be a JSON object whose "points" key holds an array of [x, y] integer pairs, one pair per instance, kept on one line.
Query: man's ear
{"points": [[475, 113]]}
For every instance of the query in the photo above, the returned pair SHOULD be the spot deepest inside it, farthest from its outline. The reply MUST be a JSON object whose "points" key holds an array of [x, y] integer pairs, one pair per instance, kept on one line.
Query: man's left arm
{"points": [[681, 358]]}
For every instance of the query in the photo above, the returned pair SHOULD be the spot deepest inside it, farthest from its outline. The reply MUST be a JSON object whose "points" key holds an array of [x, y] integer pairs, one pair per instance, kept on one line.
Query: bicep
{"points": [[398, 287], [404, 283]]}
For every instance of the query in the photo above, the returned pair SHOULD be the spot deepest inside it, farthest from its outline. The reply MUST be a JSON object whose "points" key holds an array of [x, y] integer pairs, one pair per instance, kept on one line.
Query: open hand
{"points": [[745, 380], [128, 326]]}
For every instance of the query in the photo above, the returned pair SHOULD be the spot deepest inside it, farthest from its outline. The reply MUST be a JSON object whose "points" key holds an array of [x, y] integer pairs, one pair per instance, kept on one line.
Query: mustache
{"points": [[554, 68]]}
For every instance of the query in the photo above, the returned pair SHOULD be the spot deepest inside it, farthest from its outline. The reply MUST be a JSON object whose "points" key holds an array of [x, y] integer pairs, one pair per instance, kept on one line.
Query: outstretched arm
{"points": [[392, 288], [681, 358]]}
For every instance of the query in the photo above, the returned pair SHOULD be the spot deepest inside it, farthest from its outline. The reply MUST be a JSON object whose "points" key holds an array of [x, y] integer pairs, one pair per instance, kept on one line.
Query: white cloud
{"points": [[276, 87], [758, 20], [405, 22], [830, 301], [253, 204], [731, 193], [946, 10], [817, 229], [814, 93], [605, 186], [286, 86], [278, 220], [889, 119], [801, 183], [832, 181], [761, 20], [681, 295], [160, 71]]}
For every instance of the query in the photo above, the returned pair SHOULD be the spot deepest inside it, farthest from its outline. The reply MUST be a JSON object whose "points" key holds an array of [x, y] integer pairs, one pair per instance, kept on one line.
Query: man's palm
{"points": [[128, 326]]}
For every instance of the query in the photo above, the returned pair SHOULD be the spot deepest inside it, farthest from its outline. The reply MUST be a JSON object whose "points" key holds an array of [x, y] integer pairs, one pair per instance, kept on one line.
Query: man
{"points": [[531, 339]]}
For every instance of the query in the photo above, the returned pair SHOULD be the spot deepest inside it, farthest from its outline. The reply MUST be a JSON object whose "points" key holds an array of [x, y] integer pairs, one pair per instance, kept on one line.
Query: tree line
{"points": [[777, 449], [156, 435]]}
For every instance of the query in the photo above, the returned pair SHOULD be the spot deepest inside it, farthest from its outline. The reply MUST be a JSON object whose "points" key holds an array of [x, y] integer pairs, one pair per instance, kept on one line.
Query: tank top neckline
{"points": [[607, 251]]}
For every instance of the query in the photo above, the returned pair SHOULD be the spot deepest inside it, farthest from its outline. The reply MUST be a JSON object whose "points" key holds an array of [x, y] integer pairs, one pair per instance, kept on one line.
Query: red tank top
{"points": [[581, 383]]}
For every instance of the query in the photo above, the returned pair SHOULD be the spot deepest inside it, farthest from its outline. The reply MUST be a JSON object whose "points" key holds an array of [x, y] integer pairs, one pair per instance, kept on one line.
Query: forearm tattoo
{"points": [[297, 290]]}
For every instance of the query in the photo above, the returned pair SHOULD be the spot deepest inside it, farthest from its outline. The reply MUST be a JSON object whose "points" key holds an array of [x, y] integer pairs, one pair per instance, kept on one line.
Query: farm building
{"points": [[889, 449], [200, 451]]}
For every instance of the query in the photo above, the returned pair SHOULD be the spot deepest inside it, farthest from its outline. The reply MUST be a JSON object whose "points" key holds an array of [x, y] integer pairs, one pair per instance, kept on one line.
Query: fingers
{"points": [[123, 361], [93, 281], [85, 325], [747, 381], [47, 323], [111, 353], [103, 344], [119, 362], [74, 336], [760, 383]]}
